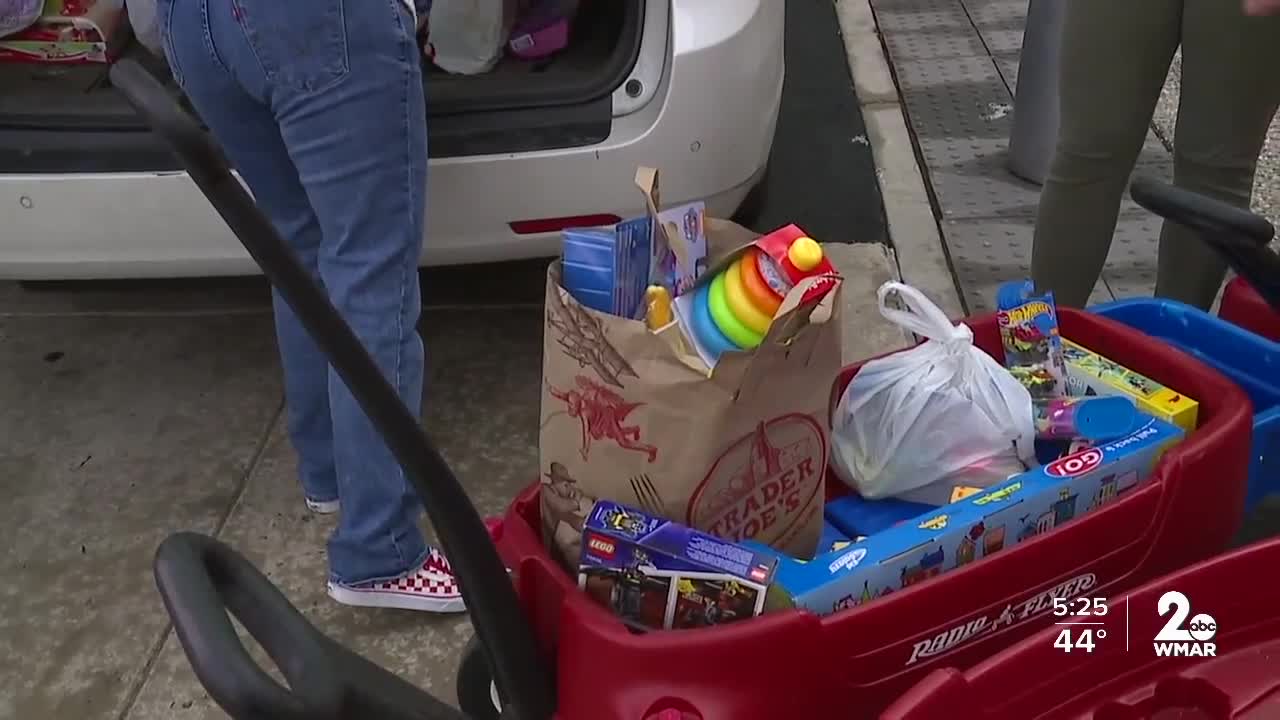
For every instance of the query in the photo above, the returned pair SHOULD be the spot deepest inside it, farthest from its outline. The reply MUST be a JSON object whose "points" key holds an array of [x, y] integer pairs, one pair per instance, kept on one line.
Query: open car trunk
{"points": [[562, 101]]}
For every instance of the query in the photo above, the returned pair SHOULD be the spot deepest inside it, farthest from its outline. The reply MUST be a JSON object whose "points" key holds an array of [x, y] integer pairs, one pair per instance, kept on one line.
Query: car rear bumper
{"points": [[709, 130]]}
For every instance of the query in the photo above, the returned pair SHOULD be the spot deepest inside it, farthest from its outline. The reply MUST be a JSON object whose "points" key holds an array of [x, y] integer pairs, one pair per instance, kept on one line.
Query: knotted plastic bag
{"points": [[944, 413]]}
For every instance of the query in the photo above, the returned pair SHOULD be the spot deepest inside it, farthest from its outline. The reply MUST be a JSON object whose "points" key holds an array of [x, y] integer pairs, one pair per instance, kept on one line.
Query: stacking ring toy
{"points": [[731, 326], [704, 328], [735, 296], [736, 308], [753, 283]]}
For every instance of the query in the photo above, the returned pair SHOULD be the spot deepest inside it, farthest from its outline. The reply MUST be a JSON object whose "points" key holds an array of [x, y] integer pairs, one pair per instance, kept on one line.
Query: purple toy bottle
{"points": [[1098, 419]]}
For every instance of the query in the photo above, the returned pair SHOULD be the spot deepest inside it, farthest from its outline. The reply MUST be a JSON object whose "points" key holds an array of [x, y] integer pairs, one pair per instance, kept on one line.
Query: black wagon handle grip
{"points": [[1209, 216], [500, 624], [1238, 236], [203, 583]]}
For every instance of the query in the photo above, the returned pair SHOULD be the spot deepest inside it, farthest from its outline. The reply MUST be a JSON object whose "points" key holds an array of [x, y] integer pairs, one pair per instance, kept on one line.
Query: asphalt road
{"points": [[821, 174]]}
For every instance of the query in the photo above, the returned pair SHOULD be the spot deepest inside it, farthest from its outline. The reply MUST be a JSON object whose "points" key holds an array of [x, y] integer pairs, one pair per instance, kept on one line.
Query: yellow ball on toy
{"points": [[805, 253]]}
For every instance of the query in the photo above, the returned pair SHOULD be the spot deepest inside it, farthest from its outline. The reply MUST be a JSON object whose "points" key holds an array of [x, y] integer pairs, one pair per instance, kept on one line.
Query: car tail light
{"points": [[556, 224]]}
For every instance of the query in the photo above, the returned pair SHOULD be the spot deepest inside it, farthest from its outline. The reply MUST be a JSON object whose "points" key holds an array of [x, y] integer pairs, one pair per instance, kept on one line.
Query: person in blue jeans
{"points": [[320, 107]]}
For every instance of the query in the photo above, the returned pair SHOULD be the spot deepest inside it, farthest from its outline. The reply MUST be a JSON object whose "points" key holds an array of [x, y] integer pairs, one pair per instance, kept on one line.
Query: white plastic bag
{"points": [[942, 414], [467, 37], [18, 15]]}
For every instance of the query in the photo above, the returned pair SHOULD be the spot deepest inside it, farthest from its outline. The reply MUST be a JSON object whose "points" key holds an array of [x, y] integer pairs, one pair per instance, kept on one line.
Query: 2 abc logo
{"points": [[1202, 628], [1180, 637]]}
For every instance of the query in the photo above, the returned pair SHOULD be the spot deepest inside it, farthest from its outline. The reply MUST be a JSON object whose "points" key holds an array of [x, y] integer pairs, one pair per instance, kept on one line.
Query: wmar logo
{"points": [[1175, 640]]}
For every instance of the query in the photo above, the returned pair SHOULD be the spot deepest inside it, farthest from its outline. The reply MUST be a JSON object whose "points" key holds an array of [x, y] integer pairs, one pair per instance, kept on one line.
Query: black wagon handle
{"points": [[500, 624], [204, 583], [1208, 216], [1240, 237]]}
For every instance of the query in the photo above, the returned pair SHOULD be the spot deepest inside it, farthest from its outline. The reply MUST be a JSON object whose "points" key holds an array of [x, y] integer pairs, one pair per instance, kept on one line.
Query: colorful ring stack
{"points": [[734, 311]]}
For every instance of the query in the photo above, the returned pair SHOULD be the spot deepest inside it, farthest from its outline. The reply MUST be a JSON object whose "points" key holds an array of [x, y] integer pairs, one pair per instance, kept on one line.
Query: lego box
{"points": [[979, 525], [1089, 373], [656, 574]]}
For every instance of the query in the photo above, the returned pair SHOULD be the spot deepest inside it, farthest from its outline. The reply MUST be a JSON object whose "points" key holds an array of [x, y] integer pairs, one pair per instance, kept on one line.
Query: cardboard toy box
{"points": [[70, 45], [1089, 373], [954, 535], [656, 574]]}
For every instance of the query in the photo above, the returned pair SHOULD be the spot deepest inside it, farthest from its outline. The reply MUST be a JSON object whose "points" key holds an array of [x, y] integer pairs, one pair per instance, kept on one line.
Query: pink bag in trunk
{"points": [[542, 28]]}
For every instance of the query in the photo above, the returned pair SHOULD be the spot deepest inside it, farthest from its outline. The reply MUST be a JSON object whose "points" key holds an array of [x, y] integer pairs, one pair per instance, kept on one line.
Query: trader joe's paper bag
{"points": [[626, 416]]}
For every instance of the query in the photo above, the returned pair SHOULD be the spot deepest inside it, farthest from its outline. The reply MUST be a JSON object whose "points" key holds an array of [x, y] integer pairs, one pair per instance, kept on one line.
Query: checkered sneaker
{"points": [[437, 563], [430, 588]]}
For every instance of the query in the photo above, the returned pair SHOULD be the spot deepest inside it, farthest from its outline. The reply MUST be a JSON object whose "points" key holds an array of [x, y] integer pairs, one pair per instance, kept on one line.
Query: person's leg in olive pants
{"points": [[1230, 88], [1115, 59]]}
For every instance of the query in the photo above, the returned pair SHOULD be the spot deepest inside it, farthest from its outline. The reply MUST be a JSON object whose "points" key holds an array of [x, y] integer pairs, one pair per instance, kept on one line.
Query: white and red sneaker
{"points": [[430, 588]]}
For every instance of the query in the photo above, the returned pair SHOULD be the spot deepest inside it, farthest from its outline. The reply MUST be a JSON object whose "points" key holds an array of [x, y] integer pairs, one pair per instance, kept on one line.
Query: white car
{"points": [[691, 87]]}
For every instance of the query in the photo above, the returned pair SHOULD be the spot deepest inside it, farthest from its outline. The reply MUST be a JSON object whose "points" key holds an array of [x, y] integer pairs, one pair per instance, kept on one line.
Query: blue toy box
{"points": [[657, 574], [954, 535], [608, 269]]}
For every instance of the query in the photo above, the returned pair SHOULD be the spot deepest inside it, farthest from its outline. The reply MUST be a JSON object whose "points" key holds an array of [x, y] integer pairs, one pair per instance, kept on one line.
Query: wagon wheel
{"points": [[477, 694]]}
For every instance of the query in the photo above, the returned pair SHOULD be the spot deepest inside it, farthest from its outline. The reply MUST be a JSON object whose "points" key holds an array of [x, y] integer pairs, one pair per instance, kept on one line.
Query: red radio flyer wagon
{"points": [[853, 663], [553, 653]]}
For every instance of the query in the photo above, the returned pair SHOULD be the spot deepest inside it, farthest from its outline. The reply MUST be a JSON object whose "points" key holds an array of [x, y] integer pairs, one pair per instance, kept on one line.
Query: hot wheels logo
{"points": [[1024, 314], [1075, 465]]}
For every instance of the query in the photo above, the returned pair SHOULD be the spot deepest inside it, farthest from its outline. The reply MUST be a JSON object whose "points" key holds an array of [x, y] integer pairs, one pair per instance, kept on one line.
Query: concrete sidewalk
{"points": [[956, 65]]}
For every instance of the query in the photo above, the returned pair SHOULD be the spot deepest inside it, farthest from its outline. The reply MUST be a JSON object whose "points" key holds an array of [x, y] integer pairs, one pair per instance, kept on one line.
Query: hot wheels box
{"points": [[954, 535], [657, 574]]}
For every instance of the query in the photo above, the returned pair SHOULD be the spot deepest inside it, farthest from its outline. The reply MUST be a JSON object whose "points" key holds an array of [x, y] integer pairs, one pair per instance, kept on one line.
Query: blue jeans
{"points": [[319, 105]]}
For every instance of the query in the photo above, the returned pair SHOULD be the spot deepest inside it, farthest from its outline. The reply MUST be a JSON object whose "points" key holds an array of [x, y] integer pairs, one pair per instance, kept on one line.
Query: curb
{"points": [[913, 227], [864, 331]]}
